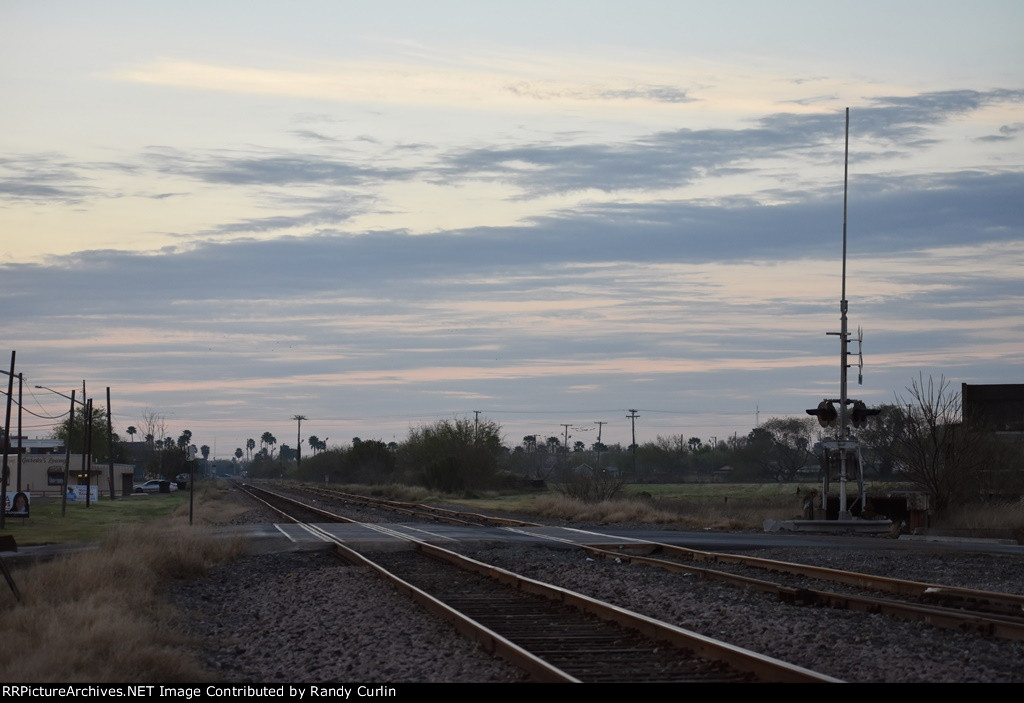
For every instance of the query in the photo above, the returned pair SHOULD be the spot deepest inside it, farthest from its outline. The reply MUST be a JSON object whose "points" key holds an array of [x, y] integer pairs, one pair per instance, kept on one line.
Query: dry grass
{"points": [[209, 506], [98, 615], [606, 511], [1006, 516], [689, 513]]}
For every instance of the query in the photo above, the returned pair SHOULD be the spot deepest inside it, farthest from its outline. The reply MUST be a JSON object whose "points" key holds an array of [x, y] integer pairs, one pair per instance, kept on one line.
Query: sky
{"points": [[378, 215]]}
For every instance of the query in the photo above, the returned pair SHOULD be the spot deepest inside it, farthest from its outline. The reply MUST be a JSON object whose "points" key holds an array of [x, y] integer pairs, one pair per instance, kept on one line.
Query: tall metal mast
{"points": [[844, 339], [844, 449]]}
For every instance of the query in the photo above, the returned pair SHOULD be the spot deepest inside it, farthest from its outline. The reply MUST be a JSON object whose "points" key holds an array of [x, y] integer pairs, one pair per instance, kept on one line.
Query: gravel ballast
{"points": [[305, 617]]}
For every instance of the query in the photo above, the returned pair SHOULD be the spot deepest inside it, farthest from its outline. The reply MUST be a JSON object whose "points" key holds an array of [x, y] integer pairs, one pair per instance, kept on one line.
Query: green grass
{"points": [[82, 524]]}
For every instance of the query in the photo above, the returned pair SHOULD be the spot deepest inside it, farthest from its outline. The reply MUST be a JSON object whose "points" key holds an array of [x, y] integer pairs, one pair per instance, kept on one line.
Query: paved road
{"points": [[390, 535]]}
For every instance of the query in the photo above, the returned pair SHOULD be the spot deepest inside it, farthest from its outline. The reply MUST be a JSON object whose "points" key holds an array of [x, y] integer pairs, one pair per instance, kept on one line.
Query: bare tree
{"points": [[933, 449], [592, 485], [153, 424]]}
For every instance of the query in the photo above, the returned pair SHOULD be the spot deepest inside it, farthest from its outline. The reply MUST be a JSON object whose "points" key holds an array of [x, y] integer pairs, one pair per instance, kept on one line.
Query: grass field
{"points": [[81, 524], [725, 506], [90, 524], [99, 615]]}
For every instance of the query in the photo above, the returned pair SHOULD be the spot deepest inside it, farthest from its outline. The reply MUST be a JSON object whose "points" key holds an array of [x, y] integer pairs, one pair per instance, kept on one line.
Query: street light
{"points": [[64, 395]]}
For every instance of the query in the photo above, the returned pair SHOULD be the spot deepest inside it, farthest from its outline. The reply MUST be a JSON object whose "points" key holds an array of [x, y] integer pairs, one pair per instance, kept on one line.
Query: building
{"points": [[996, 407]]}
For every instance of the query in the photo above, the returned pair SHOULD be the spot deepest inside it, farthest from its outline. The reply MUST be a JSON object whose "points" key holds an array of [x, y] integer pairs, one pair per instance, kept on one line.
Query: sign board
{"points": [[17, 504], [77, 493]]}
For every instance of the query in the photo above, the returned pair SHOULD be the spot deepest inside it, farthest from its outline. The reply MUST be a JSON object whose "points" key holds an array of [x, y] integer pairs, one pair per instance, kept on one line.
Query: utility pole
{"points": [[110, 446], [88, 451], [632, 418], [599, 424], [21, 381], [67, 456], [298, 440], [476, 427], [5, 477]]}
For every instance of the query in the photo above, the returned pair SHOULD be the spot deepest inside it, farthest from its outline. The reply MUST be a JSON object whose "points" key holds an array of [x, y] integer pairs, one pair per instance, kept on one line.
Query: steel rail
{"points": [[985, 612], [256, 491], [456, 517], [492, 642], [1009, 604], [765, 668], [987, 625], [1000, 615]]}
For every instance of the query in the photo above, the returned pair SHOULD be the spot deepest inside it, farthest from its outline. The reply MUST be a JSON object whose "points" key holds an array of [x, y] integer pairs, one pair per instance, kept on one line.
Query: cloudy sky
{"points": [[382, 214]]}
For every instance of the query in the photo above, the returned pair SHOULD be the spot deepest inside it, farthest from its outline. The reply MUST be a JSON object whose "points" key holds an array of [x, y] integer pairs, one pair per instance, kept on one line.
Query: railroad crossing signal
{"points": [[861, 413], [825, 412]]}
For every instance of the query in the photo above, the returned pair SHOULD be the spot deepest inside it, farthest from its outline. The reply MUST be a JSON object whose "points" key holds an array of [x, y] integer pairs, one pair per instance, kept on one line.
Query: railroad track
{"points": [[417, 511], [987, 613], [984, 613], [560, 636], [554, 634]]}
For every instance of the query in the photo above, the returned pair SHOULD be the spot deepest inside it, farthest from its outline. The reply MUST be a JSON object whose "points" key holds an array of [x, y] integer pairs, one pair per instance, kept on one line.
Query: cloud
{"points": [[677, 157], [44, 177], [479, 85], [664, 284]]}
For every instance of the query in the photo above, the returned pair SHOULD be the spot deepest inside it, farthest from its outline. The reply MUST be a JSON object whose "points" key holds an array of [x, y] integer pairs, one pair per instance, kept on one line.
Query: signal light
{"points": [[825, 412], [861, 413]]}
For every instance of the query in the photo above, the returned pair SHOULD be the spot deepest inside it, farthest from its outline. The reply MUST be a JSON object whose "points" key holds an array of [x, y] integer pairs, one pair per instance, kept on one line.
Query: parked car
{"points": [[153, 486], [182, 481]]}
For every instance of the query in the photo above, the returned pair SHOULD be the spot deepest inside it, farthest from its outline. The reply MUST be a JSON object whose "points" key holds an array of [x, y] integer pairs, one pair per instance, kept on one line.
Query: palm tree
{"points": [[268, 440], [131, 432], [314, 442], [250, 444], [239, 452]]}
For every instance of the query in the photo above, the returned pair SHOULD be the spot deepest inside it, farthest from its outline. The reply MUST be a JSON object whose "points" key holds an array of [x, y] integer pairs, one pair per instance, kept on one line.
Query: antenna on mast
{"points": [[843, 451]]}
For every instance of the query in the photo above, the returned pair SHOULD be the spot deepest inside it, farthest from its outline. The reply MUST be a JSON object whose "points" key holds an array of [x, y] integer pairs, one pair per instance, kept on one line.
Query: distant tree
{"points": [[933, 449], [314, 443], [781, 446], [370, 461], [453, 455], [694, 443], [132, 431], [154, 426], [239, 453], [268, 441], [74, 435], [205, 451], [185, 438], [879, 437], [250, 444], [149, 439]]}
